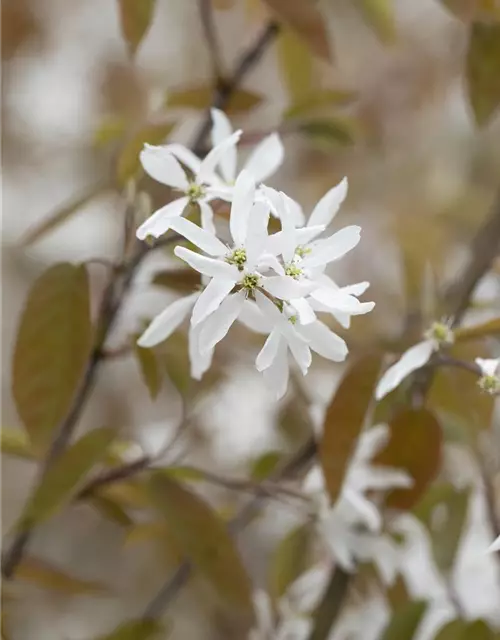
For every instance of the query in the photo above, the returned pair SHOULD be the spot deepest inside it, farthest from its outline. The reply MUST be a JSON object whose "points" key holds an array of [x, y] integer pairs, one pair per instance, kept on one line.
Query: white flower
{"points": [[351, 527], [291, 624], [161, 163], [437, 336], [490, 375]]}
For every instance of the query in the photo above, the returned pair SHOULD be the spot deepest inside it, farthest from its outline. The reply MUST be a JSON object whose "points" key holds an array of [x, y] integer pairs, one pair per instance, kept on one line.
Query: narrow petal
{"points": [[300, 350], [268, 261], [288, 229], [243, 198], [199, 237], [222, 129], [410, 361], [336, 300], [324, 341], [304, 310], [286, 288], [488, 366], [367, 511], [253, 318], [207, 266], [208, 165], [214, 293], [265, 158], [207, 217], [276, 241], [269, 351], [163, 167], [324, 212], [200, 362], [167, 321], [276, 376], [356, 289], [159, 223], [218, 324], [256, 237], [334, 247], [185, 155]]}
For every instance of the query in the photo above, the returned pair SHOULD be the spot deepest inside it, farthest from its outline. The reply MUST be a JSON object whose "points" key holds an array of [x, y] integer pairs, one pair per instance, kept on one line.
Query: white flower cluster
{"points": [[275, 284]]}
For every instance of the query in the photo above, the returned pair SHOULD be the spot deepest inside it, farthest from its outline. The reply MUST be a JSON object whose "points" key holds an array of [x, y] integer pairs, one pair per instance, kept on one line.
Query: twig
{"points": [[330, 606], [208, 24], [114, 475]]}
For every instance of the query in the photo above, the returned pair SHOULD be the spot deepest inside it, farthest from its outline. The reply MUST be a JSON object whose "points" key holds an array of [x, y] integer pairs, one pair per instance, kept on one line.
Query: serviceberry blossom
{"points": [[274, 284], [352, 528], [490, 375], [201, 187], [439, 335]]}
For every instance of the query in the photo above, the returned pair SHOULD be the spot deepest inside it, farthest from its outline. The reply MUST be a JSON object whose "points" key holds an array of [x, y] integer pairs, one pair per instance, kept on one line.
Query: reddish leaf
{"points": [[135, 19]]}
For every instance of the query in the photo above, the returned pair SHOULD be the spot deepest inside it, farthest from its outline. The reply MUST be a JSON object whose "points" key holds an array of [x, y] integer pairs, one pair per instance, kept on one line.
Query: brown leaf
{"points": [[306, 19], [62, 480], [201, 97], [47, 576], [201, 534], [344, 421], [64, 213], [128, 163], [320, 99], [181, 280], [290, 559], [297, 65], [335, 130], [483, 70], [52, 348], [415, 447], [149, 368], [135, 19], [465, 630]]}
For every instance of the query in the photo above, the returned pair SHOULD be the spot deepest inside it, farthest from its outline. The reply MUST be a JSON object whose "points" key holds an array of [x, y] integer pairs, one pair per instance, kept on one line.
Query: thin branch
{"points": [[208, 24], [330, 606], [116, 474]]}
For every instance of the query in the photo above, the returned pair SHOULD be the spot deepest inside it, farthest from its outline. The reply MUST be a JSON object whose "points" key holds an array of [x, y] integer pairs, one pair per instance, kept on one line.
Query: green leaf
{"points": [[483, 330], [128, 163], [135, 630], [200, 533], [111, 510], [483, 70], [53, 345], [135, 19], [297, 65], [45, 575], [414, 446], [318, 100], [344, 421], [336, 130], [149, 368], [264, 465], [200, 97], [405, 622], [63, 478], [304, 17], [65, 212], [443, 510], [379, 14], [181, 280], [290, 559], [463, 630], [15, 442]]}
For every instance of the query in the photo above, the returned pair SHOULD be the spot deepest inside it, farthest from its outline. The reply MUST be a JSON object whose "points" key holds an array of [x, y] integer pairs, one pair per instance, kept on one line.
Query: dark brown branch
{"points": [[330, 606]]}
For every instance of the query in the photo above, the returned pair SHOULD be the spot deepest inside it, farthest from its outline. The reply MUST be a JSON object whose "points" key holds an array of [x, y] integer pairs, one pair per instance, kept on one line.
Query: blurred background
{"points": [[386, 93]]}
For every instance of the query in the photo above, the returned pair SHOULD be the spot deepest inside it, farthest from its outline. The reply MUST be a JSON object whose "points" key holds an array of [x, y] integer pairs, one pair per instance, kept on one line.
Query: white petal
{"points": [[268, 353], [207, 216], [334, 247], [159, 223], [207, 266], [199, 237], [300, 350], [276, 376], [304, 310], [243, 198], [356, 289], [212, 296], [163, 167], [215, 156], [265, 158], [296, 213], [371, 442], [495, 546], [185, 155], [253, 318], [167, 321], [410, 361], [276, 242], [268, 261], [256, 237], [488, 366], [221, 130], [324, 341], [324, 212], [200, 362], [218, 324], [337, 300], [286, 287], [288, 229], [369, 513]]}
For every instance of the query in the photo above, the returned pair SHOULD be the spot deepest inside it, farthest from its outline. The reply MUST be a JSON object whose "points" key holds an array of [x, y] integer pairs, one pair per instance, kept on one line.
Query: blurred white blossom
{"points": [[490, 375]]}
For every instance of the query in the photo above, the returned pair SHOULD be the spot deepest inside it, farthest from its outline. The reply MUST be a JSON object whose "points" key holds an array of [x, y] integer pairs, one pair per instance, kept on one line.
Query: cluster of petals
{"points": [[274, 284]]}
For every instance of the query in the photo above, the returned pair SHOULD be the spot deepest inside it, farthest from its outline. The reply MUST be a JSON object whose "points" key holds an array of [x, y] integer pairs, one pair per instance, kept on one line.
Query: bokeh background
{"points": [[391, 109]]}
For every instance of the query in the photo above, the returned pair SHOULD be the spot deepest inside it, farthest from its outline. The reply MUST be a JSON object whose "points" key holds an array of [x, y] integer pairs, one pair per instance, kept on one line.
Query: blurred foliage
{"points": [[405, 622]]}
